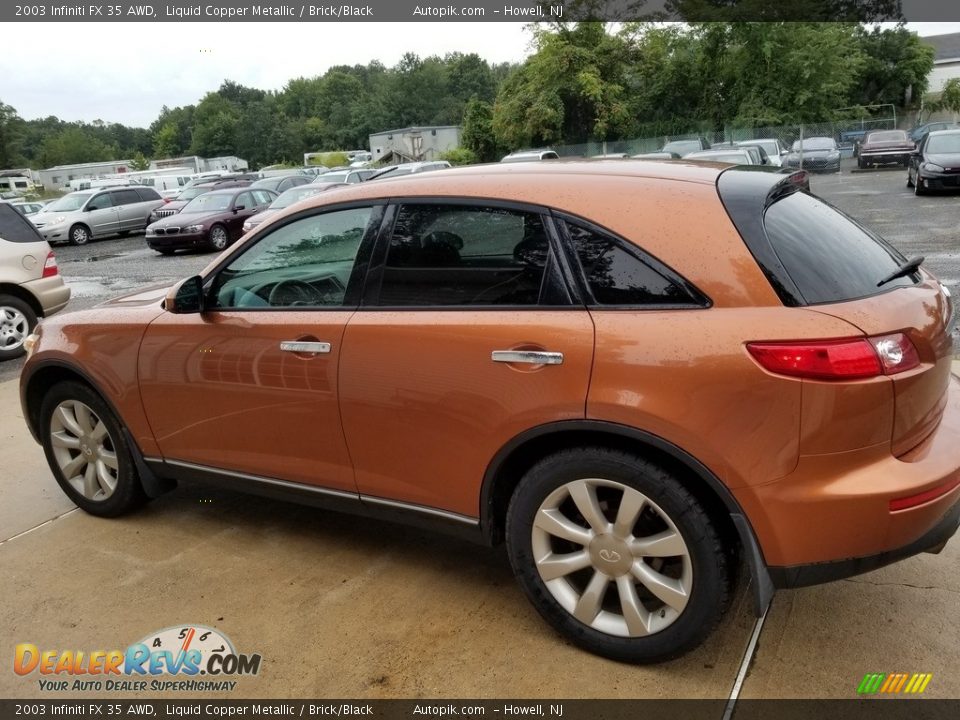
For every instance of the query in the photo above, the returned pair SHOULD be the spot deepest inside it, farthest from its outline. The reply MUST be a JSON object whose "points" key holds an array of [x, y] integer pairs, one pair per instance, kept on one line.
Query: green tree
{"points": [[139, 162], [896, 66], [950, 97], [571, 90], [165, 143], [11, 135], [477, 134]]}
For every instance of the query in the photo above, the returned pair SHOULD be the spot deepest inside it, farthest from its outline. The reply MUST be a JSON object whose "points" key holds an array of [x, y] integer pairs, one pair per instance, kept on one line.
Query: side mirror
{"points": [[238, 208], [186, 297]]}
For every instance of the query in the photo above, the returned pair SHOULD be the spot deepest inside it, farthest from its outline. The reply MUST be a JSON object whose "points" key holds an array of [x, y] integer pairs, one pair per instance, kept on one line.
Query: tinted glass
{"points": [[208, 203], [99, 202], [682, 146], [147, 194], [125, 197], [459, 255], [617, 276], [306, 263], [815, 144], [244, 200], [828, 256], [14, 227], [943, 143]]}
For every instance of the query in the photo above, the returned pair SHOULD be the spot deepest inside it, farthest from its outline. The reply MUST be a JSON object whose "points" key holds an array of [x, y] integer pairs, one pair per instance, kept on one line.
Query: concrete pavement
{"points": [[340, 607]]}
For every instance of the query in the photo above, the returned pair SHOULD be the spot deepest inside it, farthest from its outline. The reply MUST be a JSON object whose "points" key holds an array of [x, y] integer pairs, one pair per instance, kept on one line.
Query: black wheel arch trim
{"points": [[153, 485], [762, 587]]}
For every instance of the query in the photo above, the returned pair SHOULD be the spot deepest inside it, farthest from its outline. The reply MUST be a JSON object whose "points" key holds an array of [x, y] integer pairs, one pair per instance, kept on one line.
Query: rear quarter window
{"points": [[828, 256], [14, 227]]}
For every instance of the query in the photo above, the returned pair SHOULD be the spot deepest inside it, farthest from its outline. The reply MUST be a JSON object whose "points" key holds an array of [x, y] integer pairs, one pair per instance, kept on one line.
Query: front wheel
{"points": [[87, 451], [79, 235], [617, 555], [218, 237], [17, 321], [917, 187]]}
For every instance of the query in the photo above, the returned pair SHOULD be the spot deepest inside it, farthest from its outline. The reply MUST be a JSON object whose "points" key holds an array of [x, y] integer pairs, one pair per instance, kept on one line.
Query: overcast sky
{"points": [[125, 72]]}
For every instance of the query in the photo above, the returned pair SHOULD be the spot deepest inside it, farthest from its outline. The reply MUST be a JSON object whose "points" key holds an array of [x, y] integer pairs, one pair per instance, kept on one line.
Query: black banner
{"points": [[480, 11], [872, 709]]}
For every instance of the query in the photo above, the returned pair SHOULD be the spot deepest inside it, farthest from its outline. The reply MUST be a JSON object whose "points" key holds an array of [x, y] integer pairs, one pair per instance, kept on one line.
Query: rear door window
{"points": [[828, 256]]}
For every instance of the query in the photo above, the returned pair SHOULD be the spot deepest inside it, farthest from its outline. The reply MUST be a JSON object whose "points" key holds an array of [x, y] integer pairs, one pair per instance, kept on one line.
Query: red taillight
{"points": [[50, 266], [923, 498], [848, 359]]}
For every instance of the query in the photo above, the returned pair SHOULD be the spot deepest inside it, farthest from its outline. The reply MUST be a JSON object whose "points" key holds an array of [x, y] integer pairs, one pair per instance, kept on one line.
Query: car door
{"points": [[244, 206], [467, 337], [101, 216], [127, 202], [250, 384]]}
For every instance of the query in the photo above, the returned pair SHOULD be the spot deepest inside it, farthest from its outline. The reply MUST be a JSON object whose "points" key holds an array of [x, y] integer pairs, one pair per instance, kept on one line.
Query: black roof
{"points": [[946, 47]]}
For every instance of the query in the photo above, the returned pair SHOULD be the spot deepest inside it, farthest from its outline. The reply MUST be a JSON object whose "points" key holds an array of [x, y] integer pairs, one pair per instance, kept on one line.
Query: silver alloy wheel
{"points": [[580, 553], [79, 235], [84, 450], [218, 237], [14, 328]]}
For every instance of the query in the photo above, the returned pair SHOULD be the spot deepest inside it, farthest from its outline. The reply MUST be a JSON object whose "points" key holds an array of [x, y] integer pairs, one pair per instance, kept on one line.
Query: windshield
{"points": [[682, 146], [337, 177], [73, 201], [815, 144], [208, 203], [944, 143], [890, 136], [191, 193], [293, 195]]}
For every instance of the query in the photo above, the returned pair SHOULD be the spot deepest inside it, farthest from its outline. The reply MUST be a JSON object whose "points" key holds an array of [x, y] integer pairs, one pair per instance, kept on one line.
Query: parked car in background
{"points": [[79, 217], [737, 156], [917, 133], [172, 207], [286, 199], [657, 156], [409, 349], [611, 156], [685, 147], [282, 183], [30, 283], [212, 221], [935, 165], [27, 207], [166, 185], [393, 171], [771, 146], [819, 153], [530, 155], [347, 175], [758, 155], [882, 147]]}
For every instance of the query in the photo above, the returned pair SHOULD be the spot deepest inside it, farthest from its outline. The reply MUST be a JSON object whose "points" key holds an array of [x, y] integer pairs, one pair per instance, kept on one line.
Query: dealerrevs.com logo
{"points": [[183, 657]]}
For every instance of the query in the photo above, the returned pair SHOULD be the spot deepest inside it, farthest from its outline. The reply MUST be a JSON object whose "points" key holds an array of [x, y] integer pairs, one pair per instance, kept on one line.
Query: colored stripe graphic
{"points": [[894, 683]]}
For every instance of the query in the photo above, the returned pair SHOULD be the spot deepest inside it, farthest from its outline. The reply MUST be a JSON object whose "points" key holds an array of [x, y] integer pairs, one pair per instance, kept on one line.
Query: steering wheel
{"points": [[295, 292]]}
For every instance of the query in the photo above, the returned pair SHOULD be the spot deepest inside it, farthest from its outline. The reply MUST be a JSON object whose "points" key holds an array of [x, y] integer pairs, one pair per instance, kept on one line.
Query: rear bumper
{"points": [[51, 293], [885, 156], [814, 574], [840, 514]]}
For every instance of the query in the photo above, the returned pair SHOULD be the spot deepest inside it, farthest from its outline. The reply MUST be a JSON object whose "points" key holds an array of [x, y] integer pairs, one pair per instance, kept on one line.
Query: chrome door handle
{"points": [[532, 357], [298, 346]]}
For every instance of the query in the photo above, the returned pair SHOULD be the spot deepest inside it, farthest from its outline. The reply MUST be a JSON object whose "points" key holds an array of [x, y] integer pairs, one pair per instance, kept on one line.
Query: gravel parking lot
{"points": [[346, 608]]}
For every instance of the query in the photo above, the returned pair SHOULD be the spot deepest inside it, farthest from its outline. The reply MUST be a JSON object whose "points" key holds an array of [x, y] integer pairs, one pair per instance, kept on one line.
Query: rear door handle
{"points": [[532, 357], [300, 346]]}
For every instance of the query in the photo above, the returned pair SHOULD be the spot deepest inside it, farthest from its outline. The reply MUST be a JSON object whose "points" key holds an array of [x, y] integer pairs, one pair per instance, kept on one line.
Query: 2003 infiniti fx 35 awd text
{"points": [[635, 373]]}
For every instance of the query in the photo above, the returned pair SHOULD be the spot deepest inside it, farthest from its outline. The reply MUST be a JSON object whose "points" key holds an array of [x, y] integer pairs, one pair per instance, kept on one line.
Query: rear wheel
{"points": [[17, 321], [617, 555], [87, 451]]}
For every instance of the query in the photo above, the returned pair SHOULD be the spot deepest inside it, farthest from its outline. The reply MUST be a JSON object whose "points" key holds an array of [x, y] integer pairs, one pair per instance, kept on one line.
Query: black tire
{"points": [[860, 163], [917, 190], [17, 320], [79, 234], [711, 578], [128, 493], [218, 238], [909, 180]]}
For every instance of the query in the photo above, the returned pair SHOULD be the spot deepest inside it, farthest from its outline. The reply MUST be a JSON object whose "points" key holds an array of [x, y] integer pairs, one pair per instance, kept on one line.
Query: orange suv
{"points": [[635, 373]]}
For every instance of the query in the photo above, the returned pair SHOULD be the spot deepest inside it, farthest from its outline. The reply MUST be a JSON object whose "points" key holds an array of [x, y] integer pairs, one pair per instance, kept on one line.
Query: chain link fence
{"points": [[846, 132]]}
